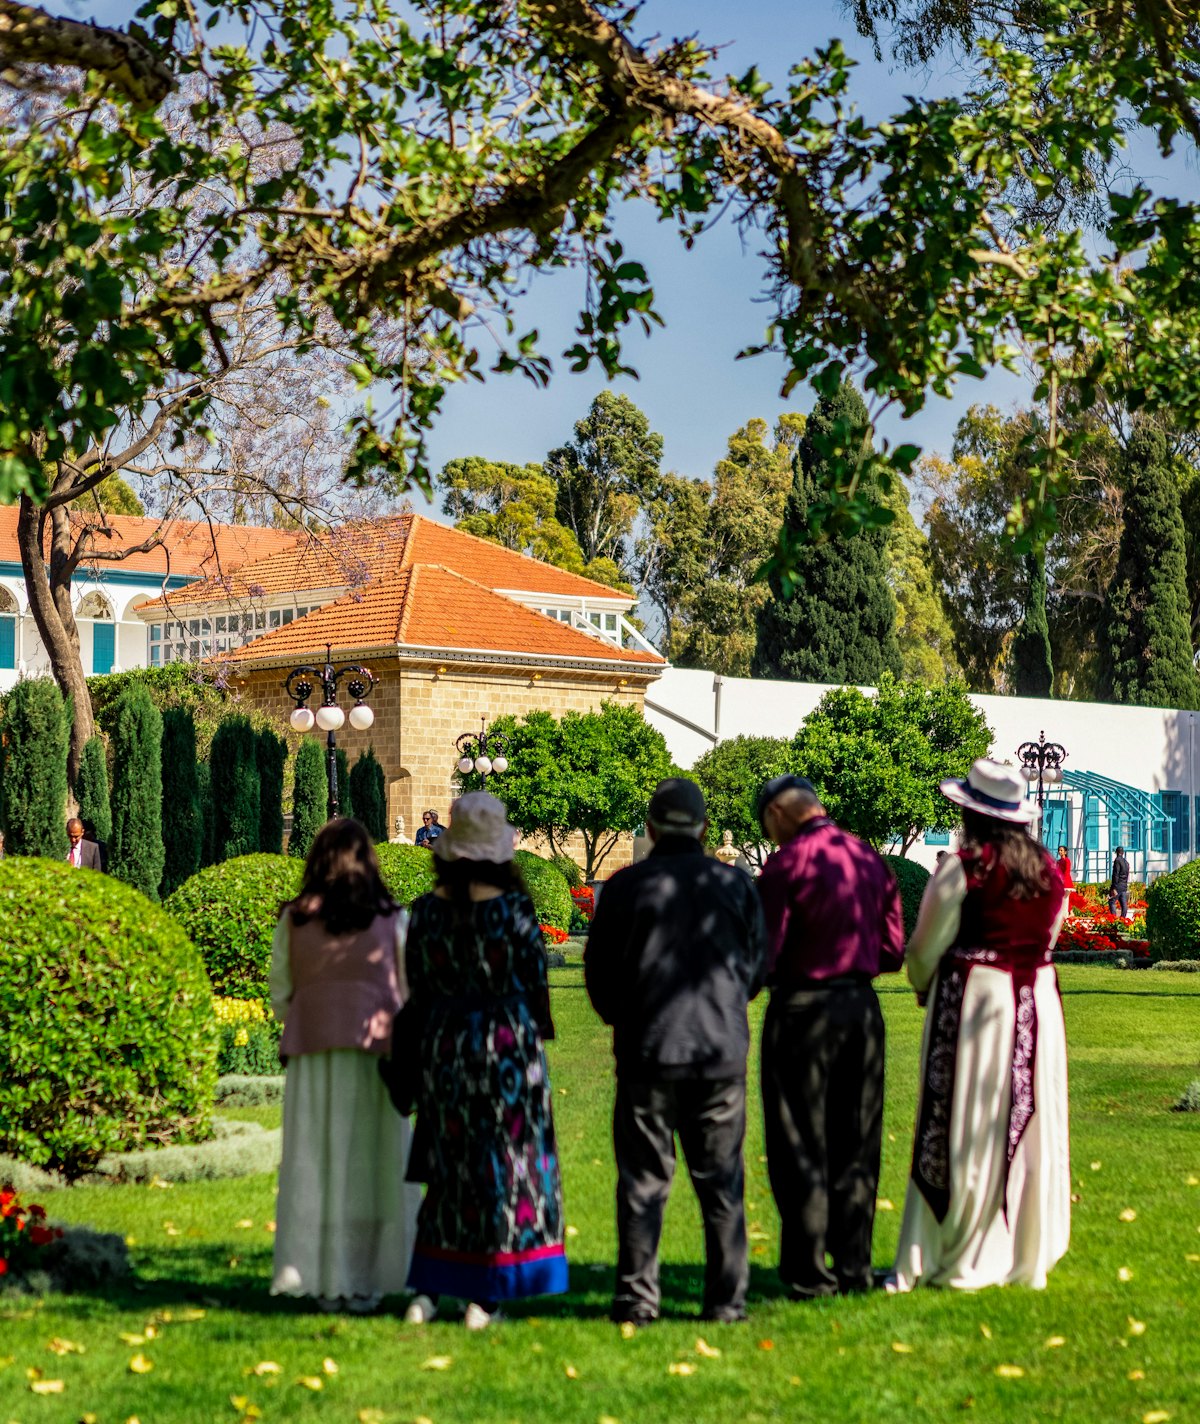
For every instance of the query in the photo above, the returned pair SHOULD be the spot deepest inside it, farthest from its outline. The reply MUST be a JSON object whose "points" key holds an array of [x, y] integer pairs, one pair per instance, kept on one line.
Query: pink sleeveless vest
{"points": [[345, 992]]}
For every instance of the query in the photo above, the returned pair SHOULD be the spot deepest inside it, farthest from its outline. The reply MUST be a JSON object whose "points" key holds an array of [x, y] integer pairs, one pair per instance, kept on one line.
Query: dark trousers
{"points": [[710, 1118], [1119, 899], [822, 1085]]}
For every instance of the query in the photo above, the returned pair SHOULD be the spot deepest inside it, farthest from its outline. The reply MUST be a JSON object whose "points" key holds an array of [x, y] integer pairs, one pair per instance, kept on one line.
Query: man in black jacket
{"points": [[1118, 885], [676, 950]]}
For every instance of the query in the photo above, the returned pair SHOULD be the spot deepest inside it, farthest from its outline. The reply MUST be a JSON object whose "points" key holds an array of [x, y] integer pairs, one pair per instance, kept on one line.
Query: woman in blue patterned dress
{"points": [[491, 1226]]}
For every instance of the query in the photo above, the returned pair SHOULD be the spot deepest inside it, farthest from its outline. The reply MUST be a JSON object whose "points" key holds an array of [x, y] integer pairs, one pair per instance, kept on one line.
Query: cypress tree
{"points": [[183, 819], [208, 850], [91, 790], [367, 791], [136, 855], [35, 769], [345, 791], [236, 794], [272, 754], [310, 797], [839, 624], [1032, 663], [1145, 639]]}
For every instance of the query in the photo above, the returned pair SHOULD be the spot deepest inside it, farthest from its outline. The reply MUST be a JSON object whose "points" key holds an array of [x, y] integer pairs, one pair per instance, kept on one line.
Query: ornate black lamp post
{"points": [[1042, 762], [482, 752], [301, 682]]}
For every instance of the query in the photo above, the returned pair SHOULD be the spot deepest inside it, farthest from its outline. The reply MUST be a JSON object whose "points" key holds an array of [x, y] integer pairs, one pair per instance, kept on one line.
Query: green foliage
{"points": [[107, 1038], [368, 792], [912, 879], [569, 868], [1032, 665], [208, 820], [730, 775], [113, 495], [1145, 645], [407, 871], [236, 790], [229, 911], [91, 789], [35, 769], [250, 1048], [548, 889], [174, 685], [271, 757], [1173, 913], [592, 773], [237, 1091], [310, 797], [877, 761], [182, 817], [924, 634], [345, 791], [833, 618], [136, 855]]}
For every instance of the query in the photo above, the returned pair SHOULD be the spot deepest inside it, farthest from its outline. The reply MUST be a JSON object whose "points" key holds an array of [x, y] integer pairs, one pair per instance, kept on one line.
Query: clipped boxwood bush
{"points": [[230, 911], [912, 879], [548, 888], [1173, 914], [107, 1036], [407, 870]]}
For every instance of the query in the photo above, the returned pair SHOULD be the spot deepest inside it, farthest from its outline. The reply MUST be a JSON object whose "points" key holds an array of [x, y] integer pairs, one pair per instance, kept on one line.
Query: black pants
{"points": [[710, 1118], [822, 1085]]}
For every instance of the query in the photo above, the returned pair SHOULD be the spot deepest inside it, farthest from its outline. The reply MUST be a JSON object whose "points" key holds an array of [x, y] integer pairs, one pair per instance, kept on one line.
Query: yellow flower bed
{"points": [[239, 1011]]}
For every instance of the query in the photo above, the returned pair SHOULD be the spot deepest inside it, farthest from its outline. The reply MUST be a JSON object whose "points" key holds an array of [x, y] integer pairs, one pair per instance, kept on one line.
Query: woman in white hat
{"points": [[491, 1226], [989, 1199]]}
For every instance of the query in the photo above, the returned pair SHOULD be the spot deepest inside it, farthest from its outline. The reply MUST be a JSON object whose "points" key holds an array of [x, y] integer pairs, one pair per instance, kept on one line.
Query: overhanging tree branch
{"points": [[30, 36]]}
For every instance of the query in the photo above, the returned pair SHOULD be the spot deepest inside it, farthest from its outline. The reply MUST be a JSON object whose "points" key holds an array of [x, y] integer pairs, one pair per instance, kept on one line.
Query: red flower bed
{"points": [[23, 1231], [585, 898], [552, 934]]}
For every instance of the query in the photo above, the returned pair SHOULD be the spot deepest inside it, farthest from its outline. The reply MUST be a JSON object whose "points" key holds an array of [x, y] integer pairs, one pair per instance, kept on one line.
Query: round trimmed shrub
{"points": [[547, 888], [107, 1036], [230, 911], [912, 879], [572, 871], [407, 870], [1173, 914]]}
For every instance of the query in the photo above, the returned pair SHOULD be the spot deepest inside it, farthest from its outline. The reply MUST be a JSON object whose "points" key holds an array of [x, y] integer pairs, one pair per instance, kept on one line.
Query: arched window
{"points": [[8, 629], [104, 631]]}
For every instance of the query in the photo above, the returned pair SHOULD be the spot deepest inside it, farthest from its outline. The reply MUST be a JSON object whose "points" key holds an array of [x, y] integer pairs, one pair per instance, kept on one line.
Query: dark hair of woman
{"points": [[1020, 855], [342, 886], [457, 876]]}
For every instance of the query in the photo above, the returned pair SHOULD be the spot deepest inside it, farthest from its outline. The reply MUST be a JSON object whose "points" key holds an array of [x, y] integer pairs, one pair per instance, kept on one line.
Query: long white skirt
{"points": [[975, 1246], [345, 1219]]}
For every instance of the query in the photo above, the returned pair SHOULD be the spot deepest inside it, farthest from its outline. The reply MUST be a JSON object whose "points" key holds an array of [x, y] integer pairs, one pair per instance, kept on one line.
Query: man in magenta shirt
{"points": [[833, 918]]}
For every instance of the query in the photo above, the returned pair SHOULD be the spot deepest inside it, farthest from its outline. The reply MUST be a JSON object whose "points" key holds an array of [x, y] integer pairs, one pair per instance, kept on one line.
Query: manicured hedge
{"points": [[407, 870], [912, 879], [107, 1035], [230, 911], [548, 888], [1173, 914]]}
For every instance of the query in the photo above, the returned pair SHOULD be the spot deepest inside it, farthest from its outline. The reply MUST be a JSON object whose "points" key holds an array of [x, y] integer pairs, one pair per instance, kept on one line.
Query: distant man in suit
{"points": [[84, 854], [1118, 885]]}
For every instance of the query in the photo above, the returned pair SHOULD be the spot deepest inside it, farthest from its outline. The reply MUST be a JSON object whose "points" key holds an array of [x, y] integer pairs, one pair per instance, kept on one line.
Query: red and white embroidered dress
{"points": [[989, 1199]]}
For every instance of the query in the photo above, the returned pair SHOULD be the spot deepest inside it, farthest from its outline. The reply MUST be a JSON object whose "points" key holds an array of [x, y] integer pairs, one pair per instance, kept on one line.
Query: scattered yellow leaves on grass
{"points": [[422, 1419], [884, 1205], [264, 1367], [1193, 1181], [1128, 1215], [245, 1408], [1136, 1375], [1136, 1327], [985, 1331], [170, 1228], [628, 1329], [901, 1348], [1124, 1274], [438, 1362], [59, 1346], [1056, 1342], [795, 1379], [681, 1367], [1010, 1371], [766, 1344], [369, 1416], [329, 1366], [709, 1352], [161, 1182], [1191, 1256], [268, 1226], [45, 1386], [140, 1365], [245, 1224], [190, 1315], [1096, 1166], [1155, 1416], [313, 1382], [572, 1230], [571, 1372], [141, 1338], [607, 1419]]}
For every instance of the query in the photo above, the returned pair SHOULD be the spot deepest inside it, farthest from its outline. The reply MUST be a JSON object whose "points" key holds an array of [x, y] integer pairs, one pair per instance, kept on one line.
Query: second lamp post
{"points": [[302, 682], [482, 751]]}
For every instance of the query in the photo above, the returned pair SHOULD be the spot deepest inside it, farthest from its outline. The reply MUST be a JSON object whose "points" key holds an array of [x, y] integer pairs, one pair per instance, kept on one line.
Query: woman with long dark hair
{"points": [[345, 1214], [989, 1199], [491, 1226]]}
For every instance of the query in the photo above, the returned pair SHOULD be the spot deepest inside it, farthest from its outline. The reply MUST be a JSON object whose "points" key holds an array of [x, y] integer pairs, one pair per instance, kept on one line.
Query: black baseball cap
{"points": [[677, 802], [777, 786]]}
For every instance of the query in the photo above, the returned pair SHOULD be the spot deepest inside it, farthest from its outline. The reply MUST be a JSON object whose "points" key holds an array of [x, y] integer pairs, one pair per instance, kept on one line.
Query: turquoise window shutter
{"points": [[104, 647], [8, 642]]}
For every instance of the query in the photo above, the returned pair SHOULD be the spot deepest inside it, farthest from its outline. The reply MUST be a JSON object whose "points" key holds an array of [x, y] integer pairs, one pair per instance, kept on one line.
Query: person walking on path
{"points": [[1118, 885], [834, 923], [83, 853], [989, 1198], [675, 952], [345, 1215], [491, 1226]]}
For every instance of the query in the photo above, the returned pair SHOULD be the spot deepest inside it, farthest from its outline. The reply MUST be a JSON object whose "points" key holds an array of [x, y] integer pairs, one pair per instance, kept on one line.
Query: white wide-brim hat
{"points": [[479, 830], [992, 789]]}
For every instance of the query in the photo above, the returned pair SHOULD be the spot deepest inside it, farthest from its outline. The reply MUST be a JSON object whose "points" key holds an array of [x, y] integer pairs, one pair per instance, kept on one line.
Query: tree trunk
{"points": [[49, 591]]}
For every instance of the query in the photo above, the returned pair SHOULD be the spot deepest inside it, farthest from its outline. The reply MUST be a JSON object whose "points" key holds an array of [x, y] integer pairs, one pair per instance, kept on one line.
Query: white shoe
{"points": [[420, 1311], [476, 1318]]}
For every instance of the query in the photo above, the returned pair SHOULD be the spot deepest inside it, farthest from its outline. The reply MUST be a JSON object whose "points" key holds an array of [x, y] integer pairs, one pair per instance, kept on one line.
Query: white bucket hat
{"points": [[479, 830], [992, 789]]}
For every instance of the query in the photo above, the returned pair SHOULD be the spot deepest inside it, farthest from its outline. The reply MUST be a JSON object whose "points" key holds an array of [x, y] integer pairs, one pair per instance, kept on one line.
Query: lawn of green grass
{"points": [[1092, 1347]]}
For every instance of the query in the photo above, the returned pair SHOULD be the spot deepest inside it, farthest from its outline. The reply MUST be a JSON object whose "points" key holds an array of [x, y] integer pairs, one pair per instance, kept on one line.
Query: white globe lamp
{"points": [[361, 717], [500, 764], [330, 719], [483, 765], [465, 764], [302, 719]]}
